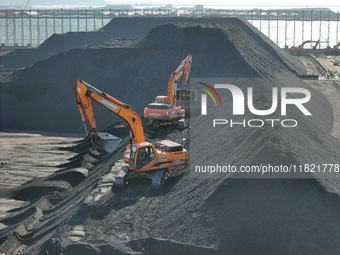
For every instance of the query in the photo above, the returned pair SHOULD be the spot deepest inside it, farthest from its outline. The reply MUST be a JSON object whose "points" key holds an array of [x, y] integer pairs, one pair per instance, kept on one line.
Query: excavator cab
{"points": [[160, 99], [140, 157]]}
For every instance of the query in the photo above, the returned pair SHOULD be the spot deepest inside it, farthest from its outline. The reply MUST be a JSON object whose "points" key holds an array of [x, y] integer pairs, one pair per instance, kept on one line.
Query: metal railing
{"points": [[284, 27]]}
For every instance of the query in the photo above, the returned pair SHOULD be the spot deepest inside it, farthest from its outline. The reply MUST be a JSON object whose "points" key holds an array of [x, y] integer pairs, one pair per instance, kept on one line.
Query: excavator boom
{"points": [[182, 69], [302, 45], [85, 93]]}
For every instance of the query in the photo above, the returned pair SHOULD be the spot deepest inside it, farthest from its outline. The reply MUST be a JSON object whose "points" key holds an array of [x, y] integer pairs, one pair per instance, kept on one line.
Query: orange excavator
{"points": [[165, 109], [337, 46], [143, 159], [332, 51], [302, 45]]}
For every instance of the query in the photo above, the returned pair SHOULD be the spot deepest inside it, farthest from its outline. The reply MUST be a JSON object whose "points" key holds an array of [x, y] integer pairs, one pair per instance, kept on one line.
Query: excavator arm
{"points": [[182, 69], [302, 45], [186, 71], [85, 94]]}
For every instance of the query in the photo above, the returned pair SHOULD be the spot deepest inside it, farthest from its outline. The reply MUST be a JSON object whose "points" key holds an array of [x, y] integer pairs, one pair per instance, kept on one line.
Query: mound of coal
{"points": [[266, 216], [41, 97], [135, 27]]}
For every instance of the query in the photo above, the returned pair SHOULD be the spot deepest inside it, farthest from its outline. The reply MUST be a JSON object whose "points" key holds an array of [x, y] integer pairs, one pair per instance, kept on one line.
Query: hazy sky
{"points": [[238, 4], [273, 4], [224, 2]]}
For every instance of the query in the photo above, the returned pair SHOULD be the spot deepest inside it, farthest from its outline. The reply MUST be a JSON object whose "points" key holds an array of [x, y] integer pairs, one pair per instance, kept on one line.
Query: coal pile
{"points": [[136, 27], [129, 74]]}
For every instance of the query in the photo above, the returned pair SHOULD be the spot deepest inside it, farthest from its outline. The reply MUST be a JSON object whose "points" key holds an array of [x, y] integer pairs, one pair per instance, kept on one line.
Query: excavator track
{"points": [[155, 124], [158, 178], [120, 179]]}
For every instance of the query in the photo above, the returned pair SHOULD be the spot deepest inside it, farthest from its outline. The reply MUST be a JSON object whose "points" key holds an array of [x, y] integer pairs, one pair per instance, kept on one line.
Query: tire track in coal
{"points": [[40, 219], [31, 226]]}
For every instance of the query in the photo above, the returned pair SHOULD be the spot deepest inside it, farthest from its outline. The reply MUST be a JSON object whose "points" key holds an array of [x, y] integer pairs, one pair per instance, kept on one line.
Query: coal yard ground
{"points": [[57, 194]]}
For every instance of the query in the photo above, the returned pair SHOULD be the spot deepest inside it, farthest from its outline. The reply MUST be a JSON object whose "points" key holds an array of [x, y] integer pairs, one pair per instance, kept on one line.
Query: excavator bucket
{"points": [[107, 141], [186, 96]]}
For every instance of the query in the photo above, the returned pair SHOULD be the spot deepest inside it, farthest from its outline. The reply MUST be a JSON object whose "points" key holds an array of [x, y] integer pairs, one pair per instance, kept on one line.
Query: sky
{"points": [[239, 4], [227, 4]]}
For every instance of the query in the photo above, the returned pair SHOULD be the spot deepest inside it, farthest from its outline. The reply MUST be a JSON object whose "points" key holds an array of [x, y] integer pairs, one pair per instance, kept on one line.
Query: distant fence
{"points": [[284, 27]]}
